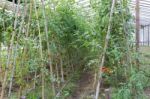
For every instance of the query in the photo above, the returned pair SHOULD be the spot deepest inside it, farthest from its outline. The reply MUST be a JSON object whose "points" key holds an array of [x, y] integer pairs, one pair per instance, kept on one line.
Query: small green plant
{"points": [[134, 89]]}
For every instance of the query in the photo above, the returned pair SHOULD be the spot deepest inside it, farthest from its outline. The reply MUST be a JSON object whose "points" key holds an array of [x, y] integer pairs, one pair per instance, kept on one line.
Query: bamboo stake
{"points": [[61, 67], [16, 47], [1, 57], [48, 46], [57, 74], [0, 62], [19, 92], [107, 94], [9, 54], [24, 53], [13, 71], [104, 50], [35, 76], [28, 27], [41, 51], [5, 74]]}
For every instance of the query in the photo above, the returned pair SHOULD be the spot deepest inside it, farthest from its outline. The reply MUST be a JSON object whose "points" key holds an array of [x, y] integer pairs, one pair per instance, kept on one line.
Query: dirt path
{"points": [[84, 87], [147, 92]]}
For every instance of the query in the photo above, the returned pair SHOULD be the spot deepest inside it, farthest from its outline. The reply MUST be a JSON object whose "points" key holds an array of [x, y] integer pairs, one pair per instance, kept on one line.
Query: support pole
{"points": [[137, 28], [107, 94], [104, 50], [137, 24], [143, 36], [148, 36]]}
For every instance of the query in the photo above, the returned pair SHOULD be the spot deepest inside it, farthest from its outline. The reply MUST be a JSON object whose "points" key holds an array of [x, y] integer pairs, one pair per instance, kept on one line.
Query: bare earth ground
{"points": [[84, 87], [147, 92]]}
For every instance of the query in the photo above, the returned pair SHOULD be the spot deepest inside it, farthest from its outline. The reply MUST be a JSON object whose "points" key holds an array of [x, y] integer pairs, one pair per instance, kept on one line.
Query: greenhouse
{"points": [[74, 49]]}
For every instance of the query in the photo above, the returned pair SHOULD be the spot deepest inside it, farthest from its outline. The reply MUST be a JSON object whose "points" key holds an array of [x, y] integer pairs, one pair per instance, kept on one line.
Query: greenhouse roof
{"points": [[144, 11]]}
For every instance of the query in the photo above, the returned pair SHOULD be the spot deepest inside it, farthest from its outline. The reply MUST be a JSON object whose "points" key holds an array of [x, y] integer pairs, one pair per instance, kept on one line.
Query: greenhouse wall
{"points": [[145, 35]]}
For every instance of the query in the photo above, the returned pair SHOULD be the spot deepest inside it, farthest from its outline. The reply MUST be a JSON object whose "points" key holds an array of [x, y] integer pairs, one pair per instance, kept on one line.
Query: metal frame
{"points": [[145, 29]]}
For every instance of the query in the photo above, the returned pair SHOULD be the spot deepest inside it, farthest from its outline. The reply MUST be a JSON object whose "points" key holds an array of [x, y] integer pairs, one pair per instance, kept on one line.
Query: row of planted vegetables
{"points": [[50, 43]]}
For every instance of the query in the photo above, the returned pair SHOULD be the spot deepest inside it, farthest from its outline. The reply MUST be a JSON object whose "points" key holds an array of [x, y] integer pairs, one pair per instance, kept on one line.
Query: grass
{"points": [[145, 61], [145, 57]]}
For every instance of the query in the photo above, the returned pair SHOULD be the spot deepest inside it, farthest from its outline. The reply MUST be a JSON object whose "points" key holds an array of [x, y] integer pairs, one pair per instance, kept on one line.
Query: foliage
{"points": [[54, 43], [134, 88], [65, 26], [117, 56]]}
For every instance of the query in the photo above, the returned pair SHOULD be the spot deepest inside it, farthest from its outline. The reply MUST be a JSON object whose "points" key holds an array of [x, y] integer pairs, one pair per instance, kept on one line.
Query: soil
{"points": [[147, 92], [84, 87], [85, 90]]}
